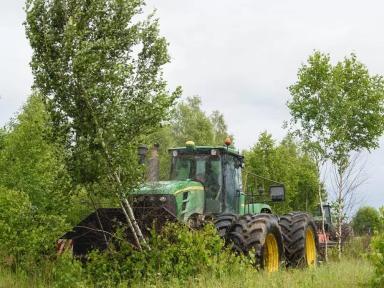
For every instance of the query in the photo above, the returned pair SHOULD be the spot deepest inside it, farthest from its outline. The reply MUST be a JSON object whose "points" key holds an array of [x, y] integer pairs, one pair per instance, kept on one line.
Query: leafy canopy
{"points": [[286, 163], [98, 65], [367, 220], [30, 162], [26, 234], [338, 108], [189, 122]]}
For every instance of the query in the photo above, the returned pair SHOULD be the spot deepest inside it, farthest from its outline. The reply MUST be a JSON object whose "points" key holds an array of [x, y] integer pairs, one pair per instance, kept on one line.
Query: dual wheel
{"points": [[291, 238]]}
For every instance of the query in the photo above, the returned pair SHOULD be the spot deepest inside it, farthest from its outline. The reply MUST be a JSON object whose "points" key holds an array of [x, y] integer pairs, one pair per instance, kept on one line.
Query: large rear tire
{"points": [[301, 243], [259, 234]]}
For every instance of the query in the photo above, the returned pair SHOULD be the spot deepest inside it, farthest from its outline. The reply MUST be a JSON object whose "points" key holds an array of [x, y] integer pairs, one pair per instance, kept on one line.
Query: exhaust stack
{"points": [[153, 164], [142, 152]]}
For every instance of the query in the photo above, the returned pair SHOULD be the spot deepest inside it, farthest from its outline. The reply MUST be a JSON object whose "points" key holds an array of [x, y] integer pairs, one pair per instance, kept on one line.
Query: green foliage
{"points": [[34, 188], [31, 163], [366, 220], [189, 122], [285, 163], [357, 247], [26, 234], [377, 255], [3, 133], [192, 123], [338, 110], [338, 107], [377, 258], [99, 68], [219, 128], [67, 272], [351, 273], [177, 252]]}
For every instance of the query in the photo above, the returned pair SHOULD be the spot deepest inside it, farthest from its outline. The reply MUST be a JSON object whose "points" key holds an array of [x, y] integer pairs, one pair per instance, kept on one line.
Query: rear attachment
{"points": [[97, 230]]}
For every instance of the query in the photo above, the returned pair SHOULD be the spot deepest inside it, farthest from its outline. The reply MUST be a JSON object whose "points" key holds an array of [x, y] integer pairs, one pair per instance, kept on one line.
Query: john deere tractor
{"points": [[206, 185]]}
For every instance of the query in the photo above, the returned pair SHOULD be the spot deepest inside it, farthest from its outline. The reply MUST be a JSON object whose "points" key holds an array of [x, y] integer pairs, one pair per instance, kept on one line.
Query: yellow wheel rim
{"points": [[310, 248], [271, 254]]}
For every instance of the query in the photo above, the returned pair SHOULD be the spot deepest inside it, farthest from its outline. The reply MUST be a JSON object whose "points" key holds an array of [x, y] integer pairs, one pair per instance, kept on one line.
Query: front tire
{"points": [[223, 223], [301, 243]]}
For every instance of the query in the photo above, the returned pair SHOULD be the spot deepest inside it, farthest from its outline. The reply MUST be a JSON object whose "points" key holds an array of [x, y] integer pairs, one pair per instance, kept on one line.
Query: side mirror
{"points": [[239, 163], [277, 193]]}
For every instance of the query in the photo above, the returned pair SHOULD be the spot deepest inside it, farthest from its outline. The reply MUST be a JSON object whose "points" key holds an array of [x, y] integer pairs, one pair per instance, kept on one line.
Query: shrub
{"points": [[178, 252], [26, 235], [357, 247], [377, 256], [67, 272], [366, 221]]}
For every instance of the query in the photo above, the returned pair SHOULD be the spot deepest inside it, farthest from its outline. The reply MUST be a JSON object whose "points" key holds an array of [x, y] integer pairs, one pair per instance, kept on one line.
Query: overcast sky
{"points": [[238, 56]]}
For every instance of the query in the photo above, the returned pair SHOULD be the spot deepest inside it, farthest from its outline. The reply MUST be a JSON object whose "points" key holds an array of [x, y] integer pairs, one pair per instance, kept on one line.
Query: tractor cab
{"points": [[328, 223], [218, 169]]}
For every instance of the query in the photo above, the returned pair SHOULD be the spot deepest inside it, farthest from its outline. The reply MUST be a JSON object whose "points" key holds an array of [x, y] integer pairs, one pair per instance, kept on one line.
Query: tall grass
{"points": [[354, 270], [12, 279], [346, 273]]}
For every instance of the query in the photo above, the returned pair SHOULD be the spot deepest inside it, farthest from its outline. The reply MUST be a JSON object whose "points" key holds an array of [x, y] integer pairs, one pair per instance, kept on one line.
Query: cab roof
{"points": [[207, 149]]}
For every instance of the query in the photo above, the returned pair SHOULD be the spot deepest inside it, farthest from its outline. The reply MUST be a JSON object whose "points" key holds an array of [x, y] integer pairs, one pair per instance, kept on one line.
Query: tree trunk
{"points": [[124, 204], [322, 217], [323, 225], [129, 222], [339, 212], [129, 212]]}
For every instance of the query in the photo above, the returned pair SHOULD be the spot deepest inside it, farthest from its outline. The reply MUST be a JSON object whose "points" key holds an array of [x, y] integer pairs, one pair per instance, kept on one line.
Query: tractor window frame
{"points": [[232, 183], [196, 171]]}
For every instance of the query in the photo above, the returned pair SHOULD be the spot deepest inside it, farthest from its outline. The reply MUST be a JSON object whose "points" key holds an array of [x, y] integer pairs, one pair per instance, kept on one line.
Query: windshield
{"points": [[203, 168], [327, 213]]}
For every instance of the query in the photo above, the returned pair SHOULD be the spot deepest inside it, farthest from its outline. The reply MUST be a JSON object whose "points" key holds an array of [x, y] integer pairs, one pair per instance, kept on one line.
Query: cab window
{"points": [[233, 185]]}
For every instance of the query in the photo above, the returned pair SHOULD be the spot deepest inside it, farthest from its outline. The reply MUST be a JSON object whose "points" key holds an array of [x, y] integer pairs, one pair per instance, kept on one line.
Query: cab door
{"points": [[232, 184]]}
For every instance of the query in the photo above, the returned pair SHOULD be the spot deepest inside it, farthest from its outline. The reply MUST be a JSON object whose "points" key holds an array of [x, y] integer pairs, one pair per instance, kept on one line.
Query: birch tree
{"points": [[98, 65], [337, 110]]}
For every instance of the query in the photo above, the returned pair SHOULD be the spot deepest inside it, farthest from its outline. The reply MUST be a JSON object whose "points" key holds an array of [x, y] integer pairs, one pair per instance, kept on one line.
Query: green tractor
{"points": [[206, 185]]}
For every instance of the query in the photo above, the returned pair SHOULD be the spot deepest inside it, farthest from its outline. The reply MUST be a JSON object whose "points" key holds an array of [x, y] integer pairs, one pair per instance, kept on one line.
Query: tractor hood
{"points": [[181, 198], [168, 187]]}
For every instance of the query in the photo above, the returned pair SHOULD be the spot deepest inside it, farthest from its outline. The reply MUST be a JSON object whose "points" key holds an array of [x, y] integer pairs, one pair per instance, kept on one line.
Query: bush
{"points": [[178, 252], [366, 221], [27, 245], [357, 247], [26, 235], [377, 255], [67, 272]]}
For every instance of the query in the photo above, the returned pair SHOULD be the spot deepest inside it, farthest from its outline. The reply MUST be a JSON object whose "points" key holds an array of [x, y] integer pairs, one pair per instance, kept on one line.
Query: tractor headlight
{"points": [[140, 198], [163, 199], [152, 198]]}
